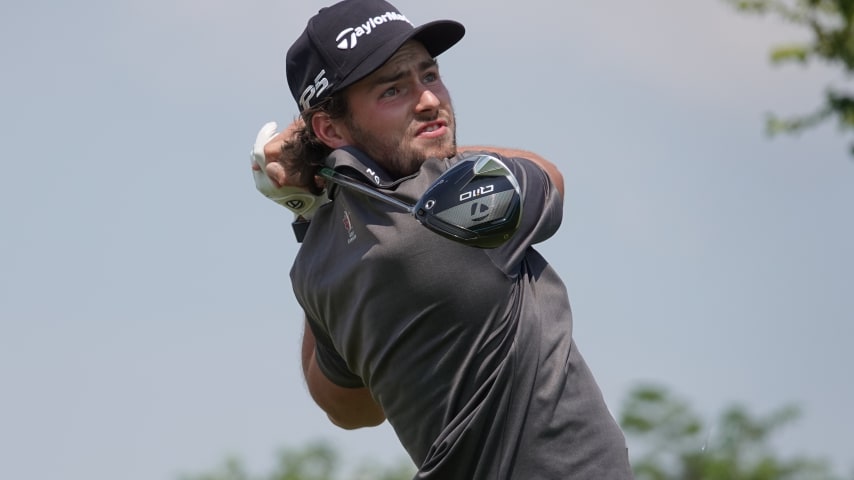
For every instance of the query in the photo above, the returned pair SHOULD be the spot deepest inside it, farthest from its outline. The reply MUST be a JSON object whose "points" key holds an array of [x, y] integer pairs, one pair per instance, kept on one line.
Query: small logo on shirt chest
{"points": [[348, 227]]}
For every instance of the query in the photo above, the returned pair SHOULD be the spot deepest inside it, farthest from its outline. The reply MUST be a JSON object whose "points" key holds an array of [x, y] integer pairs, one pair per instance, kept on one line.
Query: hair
{"points": [[304, 156]]}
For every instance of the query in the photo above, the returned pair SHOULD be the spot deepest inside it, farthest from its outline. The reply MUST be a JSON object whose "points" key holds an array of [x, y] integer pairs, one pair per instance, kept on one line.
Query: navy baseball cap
{"points": [[347, 41]]}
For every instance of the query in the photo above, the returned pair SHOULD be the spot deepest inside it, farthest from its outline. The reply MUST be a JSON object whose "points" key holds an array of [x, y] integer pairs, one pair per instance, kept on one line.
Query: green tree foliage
{"points": [[668, 439], [675, 444], [830, 22], [316, 461]]}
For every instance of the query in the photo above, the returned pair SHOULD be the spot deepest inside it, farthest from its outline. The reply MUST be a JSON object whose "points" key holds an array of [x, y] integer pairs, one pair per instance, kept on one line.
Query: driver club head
{"points": [[476, 202]]}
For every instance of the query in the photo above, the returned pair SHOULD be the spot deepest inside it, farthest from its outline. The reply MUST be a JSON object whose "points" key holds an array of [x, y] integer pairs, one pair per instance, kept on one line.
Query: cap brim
{"points": [[437, 37]]}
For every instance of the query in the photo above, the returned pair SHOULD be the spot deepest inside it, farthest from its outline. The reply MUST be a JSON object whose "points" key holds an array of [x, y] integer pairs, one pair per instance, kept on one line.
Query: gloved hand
{"points": [[295, 199]]}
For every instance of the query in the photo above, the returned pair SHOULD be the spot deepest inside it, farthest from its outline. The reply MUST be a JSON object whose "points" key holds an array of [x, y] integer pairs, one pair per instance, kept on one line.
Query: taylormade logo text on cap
{"points": [[348, 38]]}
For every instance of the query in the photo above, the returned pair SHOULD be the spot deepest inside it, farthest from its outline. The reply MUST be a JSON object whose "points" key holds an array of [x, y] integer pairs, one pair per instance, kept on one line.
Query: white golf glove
{"points": [[295, 199]]}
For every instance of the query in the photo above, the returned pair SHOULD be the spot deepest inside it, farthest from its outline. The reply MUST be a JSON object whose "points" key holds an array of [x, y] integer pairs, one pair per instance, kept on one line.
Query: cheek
{"points": [[385, 121]]}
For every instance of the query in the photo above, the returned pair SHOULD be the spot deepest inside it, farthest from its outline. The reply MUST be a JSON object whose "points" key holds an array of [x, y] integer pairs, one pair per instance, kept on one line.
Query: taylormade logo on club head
{"points": [[348, 38], [479, 209]]}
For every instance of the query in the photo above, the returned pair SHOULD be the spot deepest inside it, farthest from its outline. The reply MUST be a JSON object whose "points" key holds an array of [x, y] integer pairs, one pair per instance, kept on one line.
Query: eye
{"points": [[431, 77], [389, 92]]}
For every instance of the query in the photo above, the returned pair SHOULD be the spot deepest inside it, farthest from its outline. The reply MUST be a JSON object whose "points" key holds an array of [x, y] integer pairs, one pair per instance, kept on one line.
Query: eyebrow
{"points": [[397, 74]]}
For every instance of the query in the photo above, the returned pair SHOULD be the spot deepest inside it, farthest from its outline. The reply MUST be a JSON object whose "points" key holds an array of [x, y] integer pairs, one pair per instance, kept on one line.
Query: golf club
{"points": [[476, 202]]}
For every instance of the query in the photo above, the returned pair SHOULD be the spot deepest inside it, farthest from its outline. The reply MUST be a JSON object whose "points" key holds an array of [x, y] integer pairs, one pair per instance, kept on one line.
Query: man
{"points": [[467, 352]]}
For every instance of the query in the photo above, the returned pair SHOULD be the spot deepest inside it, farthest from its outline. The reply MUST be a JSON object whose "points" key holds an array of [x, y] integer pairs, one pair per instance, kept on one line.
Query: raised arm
{"points": [[348, 408], [550, 168]]}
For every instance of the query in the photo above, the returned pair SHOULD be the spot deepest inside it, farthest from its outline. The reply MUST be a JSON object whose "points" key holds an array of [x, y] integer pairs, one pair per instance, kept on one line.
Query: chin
{"points": [[443, 151]]}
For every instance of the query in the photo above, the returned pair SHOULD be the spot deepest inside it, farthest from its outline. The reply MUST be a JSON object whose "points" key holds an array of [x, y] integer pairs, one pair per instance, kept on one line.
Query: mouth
{"points": [[432, 129]]}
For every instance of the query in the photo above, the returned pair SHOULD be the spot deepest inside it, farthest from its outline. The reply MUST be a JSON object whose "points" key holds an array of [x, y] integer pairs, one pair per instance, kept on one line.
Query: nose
{"points": [[427, 101]]}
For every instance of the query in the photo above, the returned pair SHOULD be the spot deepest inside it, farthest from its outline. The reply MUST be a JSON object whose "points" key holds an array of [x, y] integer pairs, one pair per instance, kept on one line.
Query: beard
{"points": [[397, 152]]}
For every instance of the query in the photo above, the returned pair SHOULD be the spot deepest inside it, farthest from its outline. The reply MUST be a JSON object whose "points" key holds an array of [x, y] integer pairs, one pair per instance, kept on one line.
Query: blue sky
{"points": [[146, 322]]}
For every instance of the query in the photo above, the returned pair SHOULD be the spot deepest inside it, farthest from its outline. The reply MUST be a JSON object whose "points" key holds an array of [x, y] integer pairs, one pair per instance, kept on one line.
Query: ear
{"points": [[331, 132]]}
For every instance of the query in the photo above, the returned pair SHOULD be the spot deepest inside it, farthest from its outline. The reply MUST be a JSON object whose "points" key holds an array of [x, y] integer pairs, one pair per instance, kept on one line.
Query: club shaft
{"points": [[351, 184]]}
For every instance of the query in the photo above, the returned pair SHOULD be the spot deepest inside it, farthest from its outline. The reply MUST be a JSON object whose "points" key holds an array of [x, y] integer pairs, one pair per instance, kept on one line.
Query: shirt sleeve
{"points": [[330, 361], [542, 205], [542, 213]]}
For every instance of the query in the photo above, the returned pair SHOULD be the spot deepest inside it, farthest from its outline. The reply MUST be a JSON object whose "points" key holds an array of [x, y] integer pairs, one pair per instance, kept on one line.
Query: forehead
{"points": [[410, 55], [411, 51]]}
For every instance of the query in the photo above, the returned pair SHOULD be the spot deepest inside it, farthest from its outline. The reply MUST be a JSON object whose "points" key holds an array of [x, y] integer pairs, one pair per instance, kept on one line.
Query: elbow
{"points": [[347, 408], [351, 414], [356, 422], [358, 412]]}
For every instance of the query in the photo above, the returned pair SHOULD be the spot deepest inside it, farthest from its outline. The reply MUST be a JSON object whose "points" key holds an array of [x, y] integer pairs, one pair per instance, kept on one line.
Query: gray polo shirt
{"points": [[468, 351]]}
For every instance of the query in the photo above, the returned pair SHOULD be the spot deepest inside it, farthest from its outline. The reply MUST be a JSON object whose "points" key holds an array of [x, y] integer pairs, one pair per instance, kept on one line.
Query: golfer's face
{"points": [[401, 114]]}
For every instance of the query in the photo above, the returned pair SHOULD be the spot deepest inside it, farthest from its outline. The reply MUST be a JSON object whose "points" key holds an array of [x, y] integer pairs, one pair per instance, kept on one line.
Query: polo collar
{"points": [[356, 164]]}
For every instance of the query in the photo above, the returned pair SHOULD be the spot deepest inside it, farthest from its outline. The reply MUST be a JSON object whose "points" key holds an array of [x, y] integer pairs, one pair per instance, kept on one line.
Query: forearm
{"points": [[550, 168], [348, 408]]}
